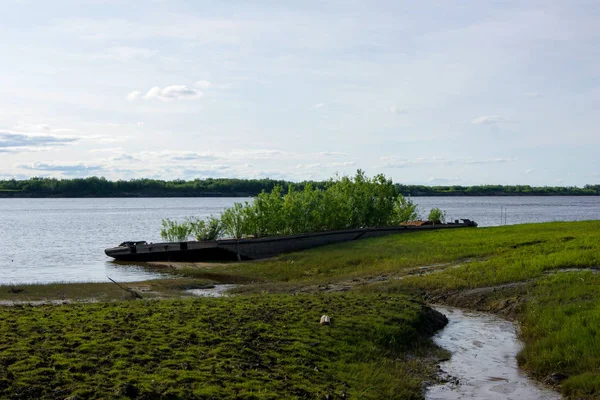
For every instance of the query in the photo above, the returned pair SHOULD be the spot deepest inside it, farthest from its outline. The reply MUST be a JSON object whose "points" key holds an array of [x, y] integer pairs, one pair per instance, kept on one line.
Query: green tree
{"points": [[436, 215], [173, 231]]}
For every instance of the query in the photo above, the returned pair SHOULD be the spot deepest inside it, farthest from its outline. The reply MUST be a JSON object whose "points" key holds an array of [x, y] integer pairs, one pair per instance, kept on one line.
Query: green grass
{"points": [[255, 347], [495, 255], [561, 328], [559, 311], [133, 343]]}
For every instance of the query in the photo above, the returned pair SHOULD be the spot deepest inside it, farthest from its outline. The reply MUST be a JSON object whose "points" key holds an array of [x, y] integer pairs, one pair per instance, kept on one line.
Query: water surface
{"points": [[483, 362], [53, 240]]}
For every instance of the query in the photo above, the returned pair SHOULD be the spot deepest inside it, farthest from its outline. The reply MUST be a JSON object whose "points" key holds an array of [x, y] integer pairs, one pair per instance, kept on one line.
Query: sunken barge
{"points": [[257, 248]]}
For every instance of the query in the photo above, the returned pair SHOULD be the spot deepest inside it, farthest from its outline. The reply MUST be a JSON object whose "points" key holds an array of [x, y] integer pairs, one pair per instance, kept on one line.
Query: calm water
{"points": [[52, 240]]}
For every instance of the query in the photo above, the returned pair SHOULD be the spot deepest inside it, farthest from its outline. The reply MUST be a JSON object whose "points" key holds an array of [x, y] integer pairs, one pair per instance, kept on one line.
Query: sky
{"points": [[428, 92]]}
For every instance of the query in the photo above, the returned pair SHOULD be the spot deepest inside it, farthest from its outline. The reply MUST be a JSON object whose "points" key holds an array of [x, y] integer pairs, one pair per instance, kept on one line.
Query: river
{"points": [[63, 240]]}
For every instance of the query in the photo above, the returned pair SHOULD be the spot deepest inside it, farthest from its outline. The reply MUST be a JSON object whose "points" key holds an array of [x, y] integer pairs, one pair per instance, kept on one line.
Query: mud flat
{"points": [[483, 364]]}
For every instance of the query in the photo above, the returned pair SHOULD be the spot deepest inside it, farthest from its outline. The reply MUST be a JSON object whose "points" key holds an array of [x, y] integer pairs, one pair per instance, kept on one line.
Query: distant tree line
{"points": [[498, 190], [225, 187], [100, 187]]}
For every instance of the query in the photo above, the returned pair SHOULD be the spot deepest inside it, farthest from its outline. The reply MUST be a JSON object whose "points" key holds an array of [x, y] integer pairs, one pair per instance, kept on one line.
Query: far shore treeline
{"points": [[226, 187]]}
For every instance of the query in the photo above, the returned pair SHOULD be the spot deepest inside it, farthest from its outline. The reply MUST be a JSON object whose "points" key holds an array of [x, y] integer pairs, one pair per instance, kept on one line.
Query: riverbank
{"points": [[251, 347], [543, 276]]}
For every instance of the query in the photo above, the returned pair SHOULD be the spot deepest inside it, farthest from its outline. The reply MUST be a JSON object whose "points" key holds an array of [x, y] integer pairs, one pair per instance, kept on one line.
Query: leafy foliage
{"points": [[173, 231], [344, 203], [209, 229], [235, 220], [436, 215]]}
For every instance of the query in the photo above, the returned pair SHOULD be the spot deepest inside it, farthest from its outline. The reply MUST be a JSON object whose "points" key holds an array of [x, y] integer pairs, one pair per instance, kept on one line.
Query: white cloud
{"points": [[65, 168], [318, 105], [173, 92], [489, 120], [166, 94], [11, 141], [124, 157], [529, 171], [133, 96]]}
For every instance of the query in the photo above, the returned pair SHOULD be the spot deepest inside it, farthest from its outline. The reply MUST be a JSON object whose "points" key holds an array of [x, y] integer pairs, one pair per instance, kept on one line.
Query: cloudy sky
{"points": [[428, 92]]}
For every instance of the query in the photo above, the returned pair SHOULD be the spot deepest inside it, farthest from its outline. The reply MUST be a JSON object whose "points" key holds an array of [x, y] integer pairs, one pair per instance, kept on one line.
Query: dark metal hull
{"points": [[249, 249]]}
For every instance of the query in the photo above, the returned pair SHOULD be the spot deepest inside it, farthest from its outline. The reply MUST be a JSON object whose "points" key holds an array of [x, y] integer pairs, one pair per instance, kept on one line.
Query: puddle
{"points": [[217, 291], [483, 363]]}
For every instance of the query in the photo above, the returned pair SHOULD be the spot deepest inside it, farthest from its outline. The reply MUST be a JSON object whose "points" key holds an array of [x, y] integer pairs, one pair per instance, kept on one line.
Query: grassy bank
{"points": [[470, 258], [543, 275], [256, 347]]}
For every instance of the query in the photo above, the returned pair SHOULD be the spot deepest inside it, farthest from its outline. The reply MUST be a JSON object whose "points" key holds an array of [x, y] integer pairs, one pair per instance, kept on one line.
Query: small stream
{"points": [[483, 363]]}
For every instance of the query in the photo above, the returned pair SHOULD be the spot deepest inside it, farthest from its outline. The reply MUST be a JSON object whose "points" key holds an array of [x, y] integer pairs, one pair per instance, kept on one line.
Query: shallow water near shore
{"points": [[63, 240], [483, 364]]}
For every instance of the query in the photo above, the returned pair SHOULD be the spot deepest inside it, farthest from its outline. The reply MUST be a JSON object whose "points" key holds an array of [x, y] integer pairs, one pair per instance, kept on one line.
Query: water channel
{"points": [[483, 364]]}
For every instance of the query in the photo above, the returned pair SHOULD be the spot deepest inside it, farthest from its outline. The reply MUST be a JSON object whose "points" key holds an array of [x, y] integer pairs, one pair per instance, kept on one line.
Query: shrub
{"points": [[344, 203], [209, 229], [235, 220], [404, 210], [173, 231], [436, 215]]}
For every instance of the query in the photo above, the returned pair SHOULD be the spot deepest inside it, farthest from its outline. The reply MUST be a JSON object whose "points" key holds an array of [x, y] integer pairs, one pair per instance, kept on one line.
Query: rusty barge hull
{"points": [[256, 248]]}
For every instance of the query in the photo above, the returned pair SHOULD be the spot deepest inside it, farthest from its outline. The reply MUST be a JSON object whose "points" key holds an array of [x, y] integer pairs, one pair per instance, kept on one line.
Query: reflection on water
{"points": [[53, 240], [483, 362]]}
